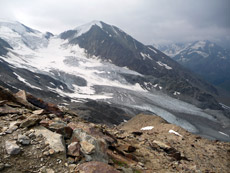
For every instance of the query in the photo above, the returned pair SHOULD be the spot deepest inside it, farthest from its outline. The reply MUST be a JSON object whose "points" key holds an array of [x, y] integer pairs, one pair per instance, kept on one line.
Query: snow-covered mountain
{"points": [[205, 58], [105, 75], [172, 49]]}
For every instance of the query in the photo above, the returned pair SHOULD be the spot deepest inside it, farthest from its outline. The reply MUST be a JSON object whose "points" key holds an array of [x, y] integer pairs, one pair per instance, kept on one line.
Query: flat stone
{"points": [[87, 147], [162, 145], [30, 121], [127, 148], [39, 112], [74, 149], [55, 141], [95, 166], [12, 148], [23, 139]]}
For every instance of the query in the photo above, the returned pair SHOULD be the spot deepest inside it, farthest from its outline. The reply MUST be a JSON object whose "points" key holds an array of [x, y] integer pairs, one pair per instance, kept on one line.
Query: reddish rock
{"points": [[9, 110], [74, 149], [21, 94], [96, 167], [49, 107], [45, 123], [66, 132]]}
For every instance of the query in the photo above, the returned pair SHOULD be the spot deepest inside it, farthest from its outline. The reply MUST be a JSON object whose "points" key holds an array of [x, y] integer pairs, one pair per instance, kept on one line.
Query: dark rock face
{"points": [[210, 61], [100, 112], [3, 47], [112, 44]]}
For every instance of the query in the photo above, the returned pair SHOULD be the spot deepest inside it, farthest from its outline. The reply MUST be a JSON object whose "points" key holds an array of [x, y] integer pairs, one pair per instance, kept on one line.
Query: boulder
{"points": [[172, 152], [94, 166], [23, 139], [60, 127], [12, 148], [74, 149], [48, 107], [87, 147], [30, 121], [9, 110], [90, 144], [55, 141]]}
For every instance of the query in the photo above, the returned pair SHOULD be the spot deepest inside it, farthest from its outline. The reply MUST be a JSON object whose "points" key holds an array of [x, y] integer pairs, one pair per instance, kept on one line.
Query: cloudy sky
{"points": [[149, 21]]}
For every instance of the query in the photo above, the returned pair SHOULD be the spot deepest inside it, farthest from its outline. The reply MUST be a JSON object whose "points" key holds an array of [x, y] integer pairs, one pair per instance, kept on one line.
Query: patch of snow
{"points": [[174, 132], [61, 87], [223, 133], [176, 93], [52, 83], [155, 85], [145, 56], [114, 30], [199, 44], [135, 44], [153, 50], [224, 106], [147, 128], [164, 65], [211, 45], [205, 55], [24, 81], [86, 27]]}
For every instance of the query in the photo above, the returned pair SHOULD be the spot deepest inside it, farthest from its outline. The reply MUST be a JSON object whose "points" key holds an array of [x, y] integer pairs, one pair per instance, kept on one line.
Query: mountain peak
{"points": [[86, 27]]}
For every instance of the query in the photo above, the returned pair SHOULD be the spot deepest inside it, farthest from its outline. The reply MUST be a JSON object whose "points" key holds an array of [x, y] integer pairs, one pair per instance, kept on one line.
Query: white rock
{"points": [[55, 141], [12, 148]]}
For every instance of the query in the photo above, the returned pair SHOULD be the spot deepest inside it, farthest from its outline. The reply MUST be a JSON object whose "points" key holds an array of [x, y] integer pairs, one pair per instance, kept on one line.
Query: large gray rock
{"points": [[96, 147], [55, 141], [12, 148], [23, 139]]}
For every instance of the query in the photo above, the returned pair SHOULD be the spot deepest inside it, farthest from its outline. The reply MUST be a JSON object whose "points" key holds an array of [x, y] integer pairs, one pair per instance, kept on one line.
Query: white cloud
{"points": [[149, 21]]}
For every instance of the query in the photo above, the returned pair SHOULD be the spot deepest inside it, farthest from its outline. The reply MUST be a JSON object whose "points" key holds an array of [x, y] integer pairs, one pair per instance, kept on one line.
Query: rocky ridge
{"points": [[40, 137]]}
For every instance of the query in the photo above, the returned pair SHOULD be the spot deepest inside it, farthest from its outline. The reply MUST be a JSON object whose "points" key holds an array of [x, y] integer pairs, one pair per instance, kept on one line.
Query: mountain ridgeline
{"points": [[204, 58], [106, 76], [112, 44]]}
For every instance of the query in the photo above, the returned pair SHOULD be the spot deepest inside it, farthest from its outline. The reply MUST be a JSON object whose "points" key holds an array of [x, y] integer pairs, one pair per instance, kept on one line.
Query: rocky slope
{"points": [[36, 136]]}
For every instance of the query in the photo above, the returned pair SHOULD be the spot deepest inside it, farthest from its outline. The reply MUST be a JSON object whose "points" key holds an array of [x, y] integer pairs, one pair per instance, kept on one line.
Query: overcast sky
{"points": [[149, 21]]}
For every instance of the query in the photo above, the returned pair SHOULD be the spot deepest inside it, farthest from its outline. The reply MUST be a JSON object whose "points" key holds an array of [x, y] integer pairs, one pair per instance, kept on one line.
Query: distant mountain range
{"points": [[107, 76], [204, 58]]}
